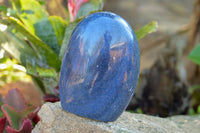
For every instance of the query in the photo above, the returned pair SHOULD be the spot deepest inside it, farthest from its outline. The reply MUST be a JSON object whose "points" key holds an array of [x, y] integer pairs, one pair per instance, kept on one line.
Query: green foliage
{"points": [[194, 88], [1, 113], [38, 38], [195, 55], [13, 116], [195, 98], [17, 112], [138, 110], [3, 8], [59, 27], [193, 112], [10, 71], [89, 7], [34, 18], [42, 2], [198, 109], [36, 44], [45, 53], [147, 29]]}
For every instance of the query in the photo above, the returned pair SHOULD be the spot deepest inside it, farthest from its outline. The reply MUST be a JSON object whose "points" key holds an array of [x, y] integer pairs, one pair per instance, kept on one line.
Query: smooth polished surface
{"points": [[100, 68]]}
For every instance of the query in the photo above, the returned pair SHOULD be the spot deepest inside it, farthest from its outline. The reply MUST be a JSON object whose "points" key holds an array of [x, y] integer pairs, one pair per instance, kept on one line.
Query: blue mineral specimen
{"points": [[100, 68]]}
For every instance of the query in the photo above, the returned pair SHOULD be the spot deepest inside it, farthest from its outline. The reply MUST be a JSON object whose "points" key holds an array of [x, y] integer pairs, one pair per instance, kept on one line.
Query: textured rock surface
{"points": [[100, 68], [55, 120]]}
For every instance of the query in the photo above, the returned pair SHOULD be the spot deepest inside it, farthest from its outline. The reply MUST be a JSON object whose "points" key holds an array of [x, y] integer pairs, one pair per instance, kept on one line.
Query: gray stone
{"points": [[189, 124], [55, 120]]}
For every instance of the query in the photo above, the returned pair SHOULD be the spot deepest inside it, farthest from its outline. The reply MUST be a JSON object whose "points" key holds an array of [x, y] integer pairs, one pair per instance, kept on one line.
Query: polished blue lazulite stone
{"points": [[100, 68]]}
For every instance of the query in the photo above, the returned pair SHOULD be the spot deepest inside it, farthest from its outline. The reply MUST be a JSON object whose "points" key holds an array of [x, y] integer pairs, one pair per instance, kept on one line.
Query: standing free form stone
{"points": [[100, 68]]}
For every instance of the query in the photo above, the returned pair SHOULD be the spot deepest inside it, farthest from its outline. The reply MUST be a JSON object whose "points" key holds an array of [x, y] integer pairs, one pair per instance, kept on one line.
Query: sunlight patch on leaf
{"points": [[58, 26], [44, 52], [36, 21]]}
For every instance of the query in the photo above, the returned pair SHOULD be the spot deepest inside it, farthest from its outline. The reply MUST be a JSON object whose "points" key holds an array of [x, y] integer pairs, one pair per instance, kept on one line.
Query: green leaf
{"points": [[30, 12], [46, 79], [42, 2], [16, 47], [139, 111], [68, 31], [195, 55], [90, 6], [49, 83], [191, 111], [147, 29], [3, 60], [39, 74], [3, 8], [12, 116], [40, 71], [198, 109], [35, 19], [11, 73], [44, 72], [193, 88], [39, 84], [1, 113], [29, 112], [44, 52], [58, 26], [131, 111]]}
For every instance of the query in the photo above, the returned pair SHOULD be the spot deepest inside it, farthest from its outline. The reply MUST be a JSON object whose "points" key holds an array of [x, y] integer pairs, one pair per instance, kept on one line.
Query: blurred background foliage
{"points": [[10, 71], [38, 40]]}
